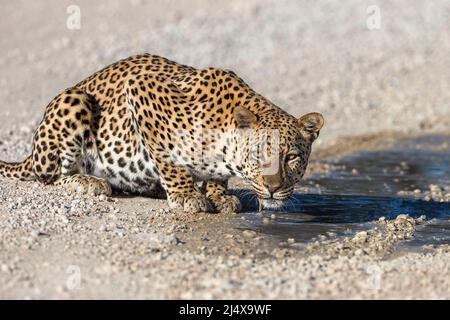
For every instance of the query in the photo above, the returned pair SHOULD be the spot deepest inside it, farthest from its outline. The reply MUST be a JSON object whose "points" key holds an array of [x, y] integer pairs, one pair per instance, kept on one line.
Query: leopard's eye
{"points": [[292, 157]]}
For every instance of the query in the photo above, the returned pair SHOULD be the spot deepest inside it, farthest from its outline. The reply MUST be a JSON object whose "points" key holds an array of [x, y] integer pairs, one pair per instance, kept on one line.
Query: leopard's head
{"points": [[275, 149]]}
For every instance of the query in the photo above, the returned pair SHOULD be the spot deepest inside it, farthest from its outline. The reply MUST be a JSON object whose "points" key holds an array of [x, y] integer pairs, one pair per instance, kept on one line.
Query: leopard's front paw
{"points": [[226, 203], [85, 184], [189, 202], [96, 186]]}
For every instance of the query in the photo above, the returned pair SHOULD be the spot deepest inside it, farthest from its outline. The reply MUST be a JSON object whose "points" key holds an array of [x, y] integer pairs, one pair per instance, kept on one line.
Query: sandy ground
{"points": [[374, 85]]}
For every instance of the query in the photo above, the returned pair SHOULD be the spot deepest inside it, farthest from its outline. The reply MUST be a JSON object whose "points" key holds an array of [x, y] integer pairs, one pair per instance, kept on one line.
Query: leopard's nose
{"points": [[272, 188]]}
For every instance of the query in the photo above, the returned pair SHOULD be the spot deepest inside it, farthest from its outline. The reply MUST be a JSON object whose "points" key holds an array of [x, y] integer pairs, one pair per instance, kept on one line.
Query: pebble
{"points": [[5, 268], [331, 234], [249, 233], [361, 234]]}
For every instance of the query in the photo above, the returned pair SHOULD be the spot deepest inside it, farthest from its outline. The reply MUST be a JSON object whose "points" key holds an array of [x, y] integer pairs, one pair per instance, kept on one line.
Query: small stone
{"points": [[361, 234], [249, 233], [4, 268], [435, 188], [422, 218], [331, 234], [112, 226], [280, 253]]}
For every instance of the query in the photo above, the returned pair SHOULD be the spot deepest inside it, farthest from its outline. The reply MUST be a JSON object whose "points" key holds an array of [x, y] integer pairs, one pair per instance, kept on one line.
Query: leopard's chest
{"points": [[134, 171]]}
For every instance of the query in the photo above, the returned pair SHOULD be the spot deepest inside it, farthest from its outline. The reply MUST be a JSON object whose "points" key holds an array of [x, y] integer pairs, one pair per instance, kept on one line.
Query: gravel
{"points": [[377, 242], [435, 193], [54, 244]]}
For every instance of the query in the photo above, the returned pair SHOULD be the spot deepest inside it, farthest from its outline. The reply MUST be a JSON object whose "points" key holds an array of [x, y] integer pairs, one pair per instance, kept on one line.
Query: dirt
{"points": [[59, 245]]}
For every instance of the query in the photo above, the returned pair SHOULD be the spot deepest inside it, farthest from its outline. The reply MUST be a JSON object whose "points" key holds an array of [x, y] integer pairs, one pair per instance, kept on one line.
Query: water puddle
{"points": [[413, 164], [363, 187]]}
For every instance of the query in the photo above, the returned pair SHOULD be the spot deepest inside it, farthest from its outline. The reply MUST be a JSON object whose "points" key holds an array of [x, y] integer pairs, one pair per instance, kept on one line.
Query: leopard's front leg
{"points": [[215, 191], [182, 192]]}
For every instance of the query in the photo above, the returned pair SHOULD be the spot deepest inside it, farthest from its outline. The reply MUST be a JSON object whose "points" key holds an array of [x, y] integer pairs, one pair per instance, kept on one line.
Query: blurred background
{"points": [[368, 66]]}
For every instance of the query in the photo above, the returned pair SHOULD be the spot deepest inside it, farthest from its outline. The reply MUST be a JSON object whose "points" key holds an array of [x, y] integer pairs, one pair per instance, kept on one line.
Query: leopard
{"points": [[155, 127]]}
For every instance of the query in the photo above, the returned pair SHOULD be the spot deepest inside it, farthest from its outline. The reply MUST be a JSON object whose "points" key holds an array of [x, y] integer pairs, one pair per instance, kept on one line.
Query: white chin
{"points": [[271, 204]]}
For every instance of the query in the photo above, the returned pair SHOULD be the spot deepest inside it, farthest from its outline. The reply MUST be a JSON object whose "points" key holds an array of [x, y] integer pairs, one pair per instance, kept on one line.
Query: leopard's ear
{"points": [[244, 118], [310, 125]]}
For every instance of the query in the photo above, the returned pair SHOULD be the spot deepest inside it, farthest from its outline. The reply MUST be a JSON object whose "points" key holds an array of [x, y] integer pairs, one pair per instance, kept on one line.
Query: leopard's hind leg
{"points": [[64, 143]]}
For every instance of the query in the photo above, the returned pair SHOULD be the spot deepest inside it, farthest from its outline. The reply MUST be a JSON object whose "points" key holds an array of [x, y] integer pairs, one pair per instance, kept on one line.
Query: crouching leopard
{"points": [[149, 125]]}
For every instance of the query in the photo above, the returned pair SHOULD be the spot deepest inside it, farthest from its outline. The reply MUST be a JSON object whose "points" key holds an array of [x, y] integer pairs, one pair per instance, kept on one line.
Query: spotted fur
{"points": [[138, 125]]}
